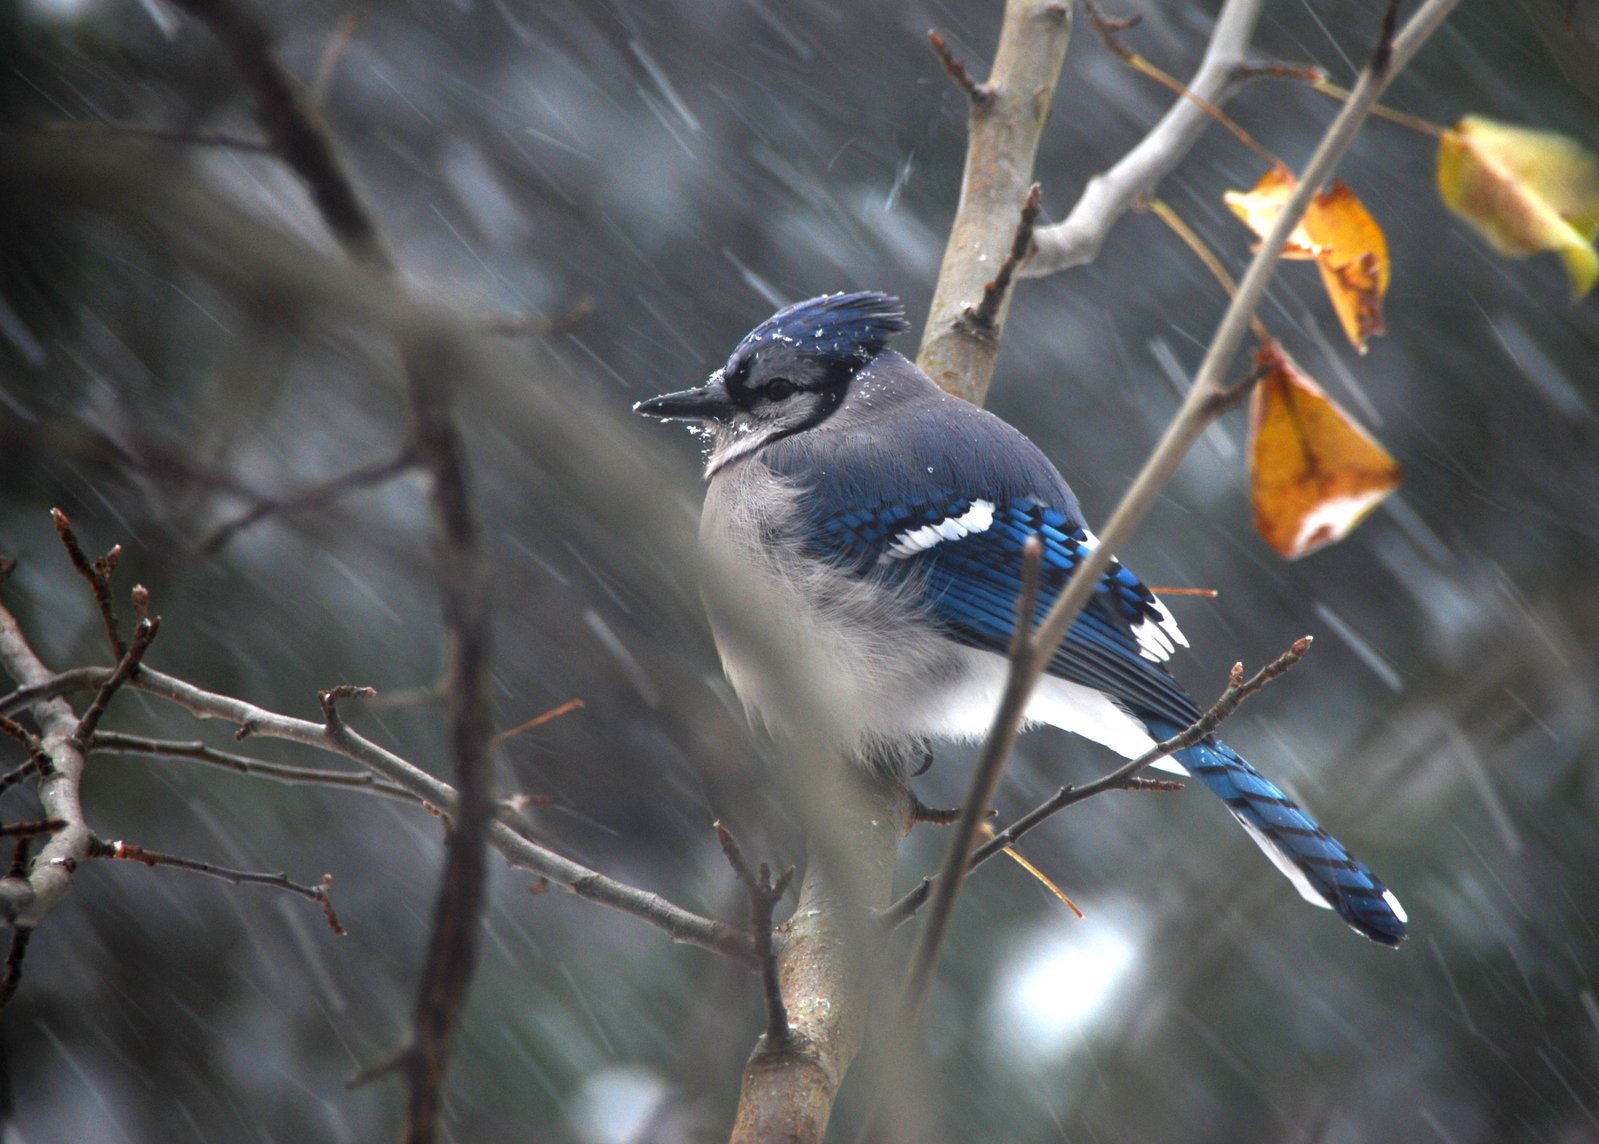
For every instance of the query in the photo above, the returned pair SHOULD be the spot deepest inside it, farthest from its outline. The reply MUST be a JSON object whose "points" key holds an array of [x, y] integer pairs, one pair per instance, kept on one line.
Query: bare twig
{"points": [[114, 742], [316, 496], [12, 977], [537, 721], [976, 92], [336, 48], [678, 923], [986, 313], [329, 699], [31, 767], [143, 635], [98, 574], [161, 135], [1002, 140], [21, 734], [979, 794], [1077, 239], [1123, 777], [32, 828], [292, 131], [51, 686], [126, 851], [764, 895]]}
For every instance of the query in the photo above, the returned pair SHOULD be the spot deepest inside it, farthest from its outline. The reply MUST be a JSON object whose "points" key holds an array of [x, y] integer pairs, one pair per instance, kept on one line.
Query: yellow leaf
{"points": [[1525, 191], [1260, 207], [1352, 253], [1340, 234], [1314, 472]]}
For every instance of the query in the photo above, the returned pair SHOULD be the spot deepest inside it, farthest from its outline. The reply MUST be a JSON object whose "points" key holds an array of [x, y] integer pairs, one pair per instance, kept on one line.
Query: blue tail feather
{"points": [[1323, 871]]}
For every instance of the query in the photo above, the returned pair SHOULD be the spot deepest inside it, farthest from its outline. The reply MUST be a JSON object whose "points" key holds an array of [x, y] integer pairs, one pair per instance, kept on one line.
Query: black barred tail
{"points": [[1318, 865]]}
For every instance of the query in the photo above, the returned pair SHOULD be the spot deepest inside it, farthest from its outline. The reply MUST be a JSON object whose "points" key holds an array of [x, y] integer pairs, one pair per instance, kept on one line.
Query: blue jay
{"points": [[876, 525]]}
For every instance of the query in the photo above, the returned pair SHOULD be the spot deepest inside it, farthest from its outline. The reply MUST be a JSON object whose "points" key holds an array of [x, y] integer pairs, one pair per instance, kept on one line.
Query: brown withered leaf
{"points": [[1525, 191], [1338, 232], [1259, 207], [1314, 472]]}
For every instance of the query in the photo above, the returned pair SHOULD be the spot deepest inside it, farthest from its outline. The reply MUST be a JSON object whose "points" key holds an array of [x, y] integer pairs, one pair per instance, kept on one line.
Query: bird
{"points": [[870, 528]]}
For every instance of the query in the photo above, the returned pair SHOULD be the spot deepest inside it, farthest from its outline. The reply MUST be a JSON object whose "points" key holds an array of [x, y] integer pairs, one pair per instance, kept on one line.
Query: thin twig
{"points": [[1108, 30], [979, 795], [161, 135], [316, 496], [51, 687], [986, 313], [13, 971], [115, 742], [32, 828], [98, 574], [1124, 777], [976, 92], [144, 634], [127, 851], [678, 923], [31, 767], [764, 895], [337, 46], [537, 721]]}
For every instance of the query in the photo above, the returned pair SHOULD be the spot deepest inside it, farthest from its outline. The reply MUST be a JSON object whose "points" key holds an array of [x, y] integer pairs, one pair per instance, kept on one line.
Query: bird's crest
{"points": [[849, 329]]}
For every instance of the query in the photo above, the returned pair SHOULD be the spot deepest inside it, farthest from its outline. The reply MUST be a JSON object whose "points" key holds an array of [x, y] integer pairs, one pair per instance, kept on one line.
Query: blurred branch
{"points": [[1003, 128], [1206, 400], [376, 473], [293, 131], [1122, 778], [160, 135], [301, 140], [125, 851], [1078, 237], [764, 894]]}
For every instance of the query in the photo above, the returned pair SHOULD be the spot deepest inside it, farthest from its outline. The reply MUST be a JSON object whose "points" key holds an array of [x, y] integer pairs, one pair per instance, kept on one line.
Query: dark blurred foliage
{"points": [[163, 366]]}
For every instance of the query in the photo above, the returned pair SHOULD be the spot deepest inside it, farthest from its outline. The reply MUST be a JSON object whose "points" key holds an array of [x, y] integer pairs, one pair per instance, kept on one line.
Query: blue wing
{"points": [[971, 580]]}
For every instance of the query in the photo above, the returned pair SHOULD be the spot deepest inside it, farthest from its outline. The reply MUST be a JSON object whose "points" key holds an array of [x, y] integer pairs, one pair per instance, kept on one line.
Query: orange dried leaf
{"points": [[1340, 234], [1314, 472], [1352, 253], [1260, 207], [1525, 191]]}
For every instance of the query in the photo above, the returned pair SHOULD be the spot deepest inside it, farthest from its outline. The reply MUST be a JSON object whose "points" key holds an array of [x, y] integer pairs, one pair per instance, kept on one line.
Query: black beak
{"points": [[707, 403]]}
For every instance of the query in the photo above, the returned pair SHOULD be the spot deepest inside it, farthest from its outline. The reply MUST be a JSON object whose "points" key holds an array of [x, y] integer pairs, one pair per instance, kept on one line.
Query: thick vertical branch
{"points": [[1004, 127], [828, 967], [452, 951], [299, 138], [24, 901]]}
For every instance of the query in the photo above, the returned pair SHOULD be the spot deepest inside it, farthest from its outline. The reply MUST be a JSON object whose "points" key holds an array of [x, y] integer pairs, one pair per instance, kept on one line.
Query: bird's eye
{"points": [[778, 389]]}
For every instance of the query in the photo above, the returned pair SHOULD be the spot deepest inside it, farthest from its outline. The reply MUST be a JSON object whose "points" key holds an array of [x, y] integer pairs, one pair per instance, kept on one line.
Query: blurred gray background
{"points": [[687, 166]]}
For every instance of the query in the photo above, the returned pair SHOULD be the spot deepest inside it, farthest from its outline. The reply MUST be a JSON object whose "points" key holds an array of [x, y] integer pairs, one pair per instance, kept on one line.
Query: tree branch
{"points": [[126, 851], [26, 900], [115, 742], [1003, 131], [680, 924], [1077, 238], [378, 472]]}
